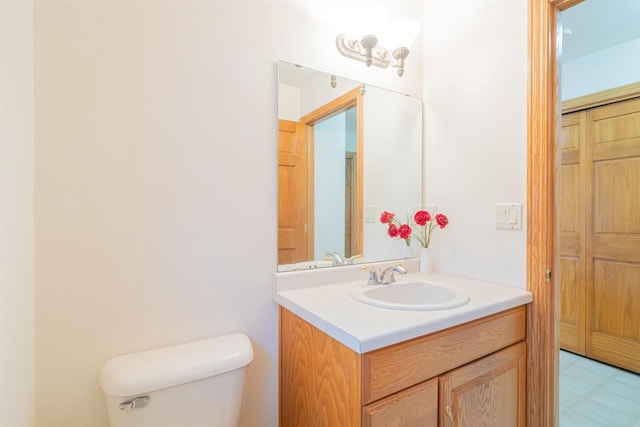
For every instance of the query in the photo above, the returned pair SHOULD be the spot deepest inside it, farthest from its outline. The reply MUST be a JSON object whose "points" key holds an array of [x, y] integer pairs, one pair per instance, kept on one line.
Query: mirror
{"points": [[346, 153]]}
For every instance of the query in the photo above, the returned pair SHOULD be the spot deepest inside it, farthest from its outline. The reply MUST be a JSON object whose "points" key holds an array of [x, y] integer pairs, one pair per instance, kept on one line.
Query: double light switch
{"points": [[509, 216]]}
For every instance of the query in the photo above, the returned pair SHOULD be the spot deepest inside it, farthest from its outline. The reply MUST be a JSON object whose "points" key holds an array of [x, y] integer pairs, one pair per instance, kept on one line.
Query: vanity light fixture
{"points": [[400, 54], [400, 33], [365, 50]]}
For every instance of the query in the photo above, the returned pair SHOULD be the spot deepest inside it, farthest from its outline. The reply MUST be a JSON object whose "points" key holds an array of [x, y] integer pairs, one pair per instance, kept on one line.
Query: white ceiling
{"points": [[597, 25]]}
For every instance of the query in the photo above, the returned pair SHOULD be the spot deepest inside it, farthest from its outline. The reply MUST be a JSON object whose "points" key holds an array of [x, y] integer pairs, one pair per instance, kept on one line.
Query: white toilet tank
{"points": [[198, 384]]}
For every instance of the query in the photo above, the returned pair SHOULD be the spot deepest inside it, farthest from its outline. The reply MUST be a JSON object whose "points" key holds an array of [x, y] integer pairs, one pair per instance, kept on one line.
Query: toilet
{"points": [[197, 384]]}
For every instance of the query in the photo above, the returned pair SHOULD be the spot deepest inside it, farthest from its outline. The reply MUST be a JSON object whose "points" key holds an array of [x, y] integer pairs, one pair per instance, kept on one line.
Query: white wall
{"points": [[17, 376], [606, 69], [329, 147], [156, 183], [475, 83], [392, 132]]}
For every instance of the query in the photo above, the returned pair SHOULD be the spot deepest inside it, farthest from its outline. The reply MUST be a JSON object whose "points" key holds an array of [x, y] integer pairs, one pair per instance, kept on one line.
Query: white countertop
{"points": [[363, 327]]}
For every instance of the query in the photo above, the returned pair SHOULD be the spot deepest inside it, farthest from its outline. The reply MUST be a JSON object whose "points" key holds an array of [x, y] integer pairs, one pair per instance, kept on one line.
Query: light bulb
{"points": [[401, 33], [371, 20]]}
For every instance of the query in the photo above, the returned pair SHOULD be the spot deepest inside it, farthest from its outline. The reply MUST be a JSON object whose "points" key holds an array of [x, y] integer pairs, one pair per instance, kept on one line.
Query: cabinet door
{"points": [[487, 392], [416, 406]]}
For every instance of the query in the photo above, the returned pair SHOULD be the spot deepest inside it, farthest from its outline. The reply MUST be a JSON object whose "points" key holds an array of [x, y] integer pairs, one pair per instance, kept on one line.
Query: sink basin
{"points": [[417, 295]]}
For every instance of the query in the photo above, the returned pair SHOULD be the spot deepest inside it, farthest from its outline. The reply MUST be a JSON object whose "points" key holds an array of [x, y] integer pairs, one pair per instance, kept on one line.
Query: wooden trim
{"points": [[543, 111], [542, 338], [609, 96], [338, 105]]}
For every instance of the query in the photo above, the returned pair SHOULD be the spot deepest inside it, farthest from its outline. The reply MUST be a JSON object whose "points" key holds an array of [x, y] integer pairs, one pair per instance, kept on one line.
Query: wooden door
{"points": [[571, 228], [488, 392], [613, 238], [293, 206]]}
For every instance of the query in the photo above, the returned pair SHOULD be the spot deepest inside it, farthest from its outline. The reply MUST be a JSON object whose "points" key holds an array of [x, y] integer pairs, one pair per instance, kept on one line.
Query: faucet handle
{"points": [[352, 259], [374, 275], [334, 258]]}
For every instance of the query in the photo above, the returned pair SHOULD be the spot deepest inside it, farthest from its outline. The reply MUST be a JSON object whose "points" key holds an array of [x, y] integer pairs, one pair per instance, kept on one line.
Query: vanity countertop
{"points": [[363, 328]]}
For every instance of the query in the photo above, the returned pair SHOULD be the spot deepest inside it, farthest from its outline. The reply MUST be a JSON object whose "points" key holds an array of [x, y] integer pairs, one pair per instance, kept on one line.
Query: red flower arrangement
{"points": [[423, 221]]}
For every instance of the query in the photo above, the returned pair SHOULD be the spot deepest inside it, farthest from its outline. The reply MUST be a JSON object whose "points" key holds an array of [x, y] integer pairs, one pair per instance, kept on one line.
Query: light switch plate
{"points": [[509, 216]]}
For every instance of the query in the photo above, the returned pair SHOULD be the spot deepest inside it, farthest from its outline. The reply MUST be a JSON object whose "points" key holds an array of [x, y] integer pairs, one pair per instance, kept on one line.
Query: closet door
{"points": [[613, 237], [571, 225]]}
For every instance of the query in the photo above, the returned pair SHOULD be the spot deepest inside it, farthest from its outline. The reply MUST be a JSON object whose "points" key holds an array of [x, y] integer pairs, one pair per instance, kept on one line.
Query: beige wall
{"points": [[16, 214], [156, 183], [475, 92]]}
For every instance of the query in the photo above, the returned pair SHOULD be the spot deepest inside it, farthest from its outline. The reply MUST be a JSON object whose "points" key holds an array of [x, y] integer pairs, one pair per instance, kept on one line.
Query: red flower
{"points": [[404, 231], [442, 220], [422, 225], [422, 217], [386, 217], [392, 231]]}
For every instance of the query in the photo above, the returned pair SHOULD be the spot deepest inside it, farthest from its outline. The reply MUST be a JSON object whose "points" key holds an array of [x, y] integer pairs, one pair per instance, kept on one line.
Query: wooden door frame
{"points": [[543, 112], [352, 207], [352, 98]]}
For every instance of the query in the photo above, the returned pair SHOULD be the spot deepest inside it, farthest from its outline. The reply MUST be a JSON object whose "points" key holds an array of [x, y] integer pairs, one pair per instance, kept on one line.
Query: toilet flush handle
{"points": [[137, 403]]}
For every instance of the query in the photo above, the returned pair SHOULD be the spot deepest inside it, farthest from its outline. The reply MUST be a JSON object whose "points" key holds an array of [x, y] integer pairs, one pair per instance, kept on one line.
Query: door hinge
{"points": [[547, 275]]}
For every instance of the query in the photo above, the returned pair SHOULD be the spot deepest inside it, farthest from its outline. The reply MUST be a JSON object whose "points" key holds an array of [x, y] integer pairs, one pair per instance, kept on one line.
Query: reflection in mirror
{"points": [[346, 152]]}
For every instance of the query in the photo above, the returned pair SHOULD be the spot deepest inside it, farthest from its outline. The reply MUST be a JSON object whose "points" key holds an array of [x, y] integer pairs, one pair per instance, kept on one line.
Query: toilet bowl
{"points": [[197, 384]]}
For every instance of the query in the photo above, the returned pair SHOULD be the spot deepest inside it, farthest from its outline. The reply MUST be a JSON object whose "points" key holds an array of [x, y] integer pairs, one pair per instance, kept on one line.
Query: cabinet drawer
{"points": [[415, 406], [391, 369]]}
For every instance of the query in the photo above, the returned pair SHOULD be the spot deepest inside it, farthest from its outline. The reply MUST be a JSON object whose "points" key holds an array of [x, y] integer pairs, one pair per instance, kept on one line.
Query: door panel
{"points": [[613, 267], [488, 392], [292, 193]]}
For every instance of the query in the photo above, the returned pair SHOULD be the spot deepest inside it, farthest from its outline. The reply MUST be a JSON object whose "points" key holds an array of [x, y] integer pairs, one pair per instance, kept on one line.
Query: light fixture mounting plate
{"points": [[351, 47]]}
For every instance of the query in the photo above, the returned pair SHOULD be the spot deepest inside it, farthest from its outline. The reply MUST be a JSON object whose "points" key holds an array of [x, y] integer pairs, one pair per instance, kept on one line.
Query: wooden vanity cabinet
{"points": [[468, 375]]}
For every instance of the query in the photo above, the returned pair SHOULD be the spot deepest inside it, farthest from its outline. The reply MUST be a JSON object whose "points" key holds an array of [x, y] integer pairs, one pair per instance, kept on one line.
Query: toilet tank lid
{"points": [[147, 371]]}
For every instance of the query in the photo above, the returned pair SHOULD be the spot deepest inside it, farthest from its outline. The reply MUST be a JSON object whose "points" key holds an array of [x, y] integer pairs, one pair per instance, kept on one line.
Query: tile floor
{"points": [[594, 394]]}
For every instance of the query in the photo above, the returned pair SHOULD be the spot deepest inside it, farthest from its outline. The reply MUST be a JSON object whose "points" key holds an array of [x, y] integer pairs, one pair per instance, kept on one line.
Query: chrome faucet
{"points": [[378, 276], [352, 259], [335, 258]]}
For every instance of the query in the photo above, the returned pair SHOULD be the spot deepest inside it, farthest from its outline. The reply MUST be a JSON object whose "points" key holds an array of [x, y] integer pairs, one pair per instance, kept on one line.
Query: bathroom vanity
{"points": [[429, 350], [346, 363]]}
